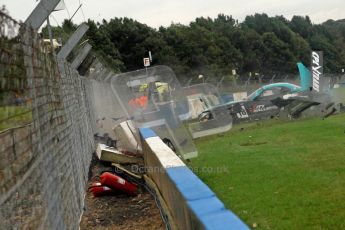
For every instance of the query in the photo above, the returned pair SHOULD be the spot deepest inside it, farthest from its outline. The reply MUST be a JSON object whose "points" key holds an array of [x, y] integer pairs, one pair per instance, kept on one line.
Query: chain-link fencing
{"points": [[46, 136]]}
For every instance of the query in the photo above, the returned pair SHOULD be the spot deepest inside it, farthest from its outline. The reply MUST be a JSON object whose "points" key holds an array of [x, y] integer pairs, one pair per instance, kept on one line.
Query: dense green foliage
{"points": [[216, 46], [213, 47], [279, 175]]}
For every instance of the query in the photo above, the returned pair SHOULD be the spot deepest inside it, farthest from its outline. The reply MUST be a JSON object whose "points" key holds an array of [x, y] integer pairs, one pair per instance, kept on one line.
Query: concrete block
{"points": [[105, 153], [202, 207], [189, 200], [223, 220], [128, 137]]}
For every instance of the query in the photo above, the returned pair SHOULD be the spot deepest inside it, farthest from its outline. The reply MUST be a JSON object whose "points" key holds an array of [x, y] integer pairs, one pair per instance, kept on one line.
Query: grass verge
{"points": [[279, 175]]}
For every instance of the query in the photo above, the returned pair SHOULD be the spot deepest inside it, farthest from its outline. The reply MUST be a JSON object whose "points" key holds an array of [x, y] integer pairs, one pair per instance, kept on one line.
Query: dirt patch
{"points": [[119, 211], [253, 143]]}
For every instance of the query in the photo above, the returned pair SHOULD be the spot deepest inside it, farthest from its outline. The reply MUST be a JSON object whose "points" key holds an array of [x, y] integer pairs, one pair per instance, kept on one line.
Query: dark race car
{"points": [[277, 99]]}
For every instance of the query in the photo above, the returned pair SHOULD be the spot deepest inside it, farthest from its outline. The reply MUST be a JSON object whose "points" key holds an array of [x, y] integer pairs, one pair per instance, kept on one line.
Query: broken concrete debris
{"points": [[109, 154]]}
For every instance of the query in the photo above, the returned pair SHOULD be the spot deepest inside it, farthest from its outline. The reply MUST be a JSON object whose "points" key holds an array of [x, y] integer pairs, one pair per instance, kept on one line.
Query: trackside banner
{"points": [[317, 68]]}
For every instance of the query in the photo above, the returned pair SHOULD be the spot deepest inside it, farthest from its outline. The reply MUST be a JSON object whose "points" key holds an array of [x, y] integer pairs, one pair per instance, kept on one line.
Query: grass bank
{"points": [[279, 175]]}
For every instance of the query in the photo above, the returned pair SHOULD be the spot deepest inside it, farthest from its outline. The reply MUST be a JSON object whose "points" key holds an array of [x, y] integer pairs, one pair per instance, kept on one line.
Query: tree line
{"points": [[214, 47]]}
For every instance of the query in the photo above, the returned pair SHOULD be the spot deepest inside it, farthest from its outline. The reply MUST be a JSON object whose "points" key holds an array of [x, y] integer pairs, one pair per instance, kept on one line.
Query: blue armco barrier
{"points": [[192, 203], [147, 132]]}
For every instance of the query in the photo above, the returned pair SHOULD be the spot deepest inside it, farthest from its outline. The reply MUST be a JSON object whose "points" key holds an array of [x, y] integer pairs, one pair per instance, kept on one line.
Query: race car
{"points": [[270, 100]]}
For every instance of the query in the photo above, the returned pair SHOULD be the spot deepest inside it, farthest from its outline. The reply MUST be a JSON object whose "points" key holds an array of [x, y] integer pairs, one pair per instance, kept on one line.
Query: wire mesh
{"points": [[46, 136]]}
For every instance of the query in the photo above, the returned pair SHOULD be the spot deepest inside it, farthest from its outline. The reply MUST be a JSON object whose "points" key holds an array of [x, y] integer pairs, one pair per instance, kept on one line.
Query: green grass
{"points": [[13, 116], [280, 175]]}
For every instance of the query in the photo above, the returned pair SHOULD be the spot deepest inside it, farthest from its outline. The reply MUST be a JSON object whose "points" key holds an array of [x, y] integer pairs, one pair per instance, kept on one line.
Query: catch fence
{"points": [[46, 136]]}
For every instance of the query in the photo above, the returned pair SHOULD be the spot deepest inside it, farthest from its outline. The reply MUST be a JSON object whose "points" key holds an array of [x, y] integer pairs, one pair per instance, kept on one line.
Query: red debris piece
{"points": [[118, 183]]}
